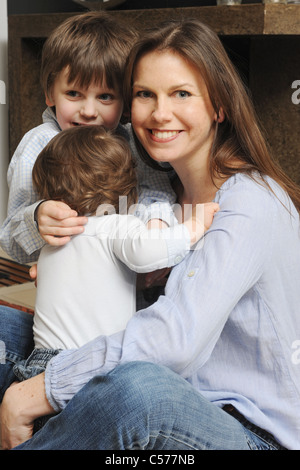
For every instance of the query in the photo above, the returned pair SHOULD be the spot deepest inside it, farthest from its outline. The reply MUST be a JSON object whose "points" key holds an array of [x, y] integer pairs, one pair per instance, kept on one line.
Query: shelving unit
{"points": [[266, 39]]}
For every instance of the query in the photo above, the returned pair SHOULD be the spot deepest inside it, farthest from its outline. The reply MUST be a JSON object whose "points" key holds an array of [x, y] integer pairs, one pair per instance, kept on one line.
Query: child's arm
{"points": [[19, 236], [144, 250]]}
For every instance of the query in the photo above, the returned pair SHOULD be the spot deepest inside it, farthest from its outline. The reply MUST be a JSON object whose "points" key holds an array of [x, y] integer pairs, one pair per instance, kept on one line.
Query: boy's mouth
{"points": [[85, 124]]}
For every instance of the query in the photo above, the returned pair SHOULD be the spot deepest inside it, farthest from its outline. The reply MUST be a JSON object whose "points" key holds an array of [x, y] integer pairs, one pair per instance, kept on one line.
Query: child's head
{"points": [[85, 53], [86, 167]]}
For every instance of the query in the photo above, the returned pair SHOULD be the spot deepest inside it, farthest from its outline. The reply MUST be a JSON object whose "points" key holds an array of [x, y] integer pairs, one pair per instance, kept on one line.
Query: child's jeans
{"points": [[17, 360], [16, 343]]}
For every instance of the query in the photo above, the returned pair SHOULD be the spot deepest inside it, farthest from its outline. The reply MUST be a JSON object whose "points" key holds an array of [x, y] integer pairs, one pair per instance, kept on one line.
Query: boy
{"points": [[82, 75]]}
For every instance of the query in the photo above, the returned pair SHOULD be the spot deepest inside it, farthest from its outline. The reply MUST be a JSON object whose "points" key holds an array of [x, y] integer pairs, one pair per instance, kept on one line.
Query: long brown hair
{"points": [[86, 167], [239, 145]]}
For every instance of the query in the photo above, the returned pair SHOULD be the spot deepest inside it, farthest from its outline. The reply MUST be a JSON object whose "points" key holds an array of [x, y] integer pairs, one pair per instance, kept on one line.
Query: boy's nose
{"points": [[89, 110]]}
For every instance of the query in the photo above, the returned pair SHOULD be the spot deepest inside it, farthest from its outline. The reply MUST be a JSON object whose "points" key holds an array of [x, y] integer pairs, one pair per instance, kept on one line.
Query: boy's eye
{"points": [[106, 97], [72, 93]]}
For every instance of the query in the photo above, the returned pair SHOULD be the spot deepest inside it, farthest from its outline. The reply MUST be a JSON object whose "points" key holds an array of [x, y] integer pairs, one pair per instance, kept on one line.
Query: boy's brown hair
{"points": [[93, 46], [85, 167]]}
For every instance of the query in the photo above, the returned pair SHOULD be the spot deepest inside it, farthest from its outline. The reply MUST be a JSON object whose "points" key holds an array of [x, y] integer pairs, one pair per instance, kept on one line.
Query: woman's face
{"points": [[171, 113]]}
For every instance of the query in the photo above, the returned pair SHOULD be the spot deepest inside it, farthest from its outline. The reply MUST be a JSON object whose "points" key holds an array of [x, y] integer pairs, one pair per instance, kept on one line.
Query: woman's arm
{"points": [[22, 403], [181, 329]]}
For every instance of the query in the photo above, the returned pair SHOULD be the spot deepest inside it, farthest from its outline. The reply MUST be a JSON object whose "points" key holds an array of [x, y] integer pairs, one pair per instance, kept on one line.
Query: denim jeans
{"points": [[141, 406], [16, 343]]}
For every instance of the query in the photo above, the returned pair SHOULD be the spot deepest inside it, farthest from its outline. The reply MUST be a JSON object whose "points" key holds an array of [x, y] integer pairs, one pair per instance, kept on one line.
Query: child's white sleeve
{"points": [[144, 250]]}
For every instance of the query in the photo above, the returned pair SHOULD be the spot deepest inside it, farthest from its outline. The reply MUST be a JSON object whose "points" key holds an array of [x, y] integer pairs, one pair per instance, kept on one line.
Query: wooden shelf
{"points": [[248, 19], [270, 33]]}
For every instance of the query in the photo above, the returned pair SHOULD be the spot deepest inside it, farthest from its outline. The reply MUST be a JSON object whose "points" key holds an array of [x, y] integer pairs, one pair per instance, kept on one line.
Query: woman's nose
{"points": [[162, 110]]}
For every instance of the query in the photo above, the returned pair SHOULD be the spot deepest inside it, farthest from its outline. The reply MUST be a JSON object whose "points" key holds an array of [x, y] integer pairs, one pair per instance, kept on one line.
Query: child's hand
{"points": [[210, 209], [57, 222], [200, 220]]}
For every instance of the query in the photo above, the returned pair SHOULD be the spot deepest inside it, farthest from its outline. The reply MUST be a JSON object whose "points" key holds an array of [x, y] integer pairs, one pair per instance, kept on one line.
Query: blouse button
{"points": [[191, 273]]}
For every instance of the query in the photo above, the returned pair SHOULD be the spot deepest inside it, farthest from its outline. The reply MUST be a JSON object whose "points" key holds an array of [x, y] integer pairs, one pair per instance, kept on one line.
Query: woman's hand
{"points": [[23, 402], [57, 222]]}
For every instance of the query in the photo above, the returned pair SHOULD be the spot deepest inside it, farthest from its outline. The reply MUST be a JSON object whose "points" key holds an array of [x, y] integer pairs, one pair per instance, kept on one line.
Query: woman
{"points": [[214, 355]]}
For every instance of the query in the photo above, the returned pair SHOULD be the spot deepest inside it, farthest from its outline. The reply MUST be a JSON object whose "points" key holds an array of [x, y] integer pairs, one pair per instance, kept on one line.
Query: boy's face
{"points": [[75, 106]]}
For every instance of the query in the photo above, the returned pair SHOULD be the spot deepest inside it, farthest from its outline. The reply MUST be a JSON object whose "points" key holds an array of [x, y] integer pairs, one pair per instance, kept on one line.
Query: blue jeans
{"points": [[141, 406], [16, 343], [137, 406]]}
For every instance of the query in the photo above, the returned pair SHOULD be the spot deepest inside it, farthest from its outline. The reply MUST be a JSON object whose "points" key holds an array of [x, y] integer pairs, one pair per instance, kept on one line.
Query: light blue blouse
{"points": [[229, 321]]}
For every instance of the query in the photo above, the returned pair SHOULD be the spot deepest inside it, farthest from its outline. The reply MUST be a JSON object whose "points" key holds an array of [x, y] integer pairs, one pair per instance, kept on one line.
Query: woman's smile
{"points": [[160, 135]]}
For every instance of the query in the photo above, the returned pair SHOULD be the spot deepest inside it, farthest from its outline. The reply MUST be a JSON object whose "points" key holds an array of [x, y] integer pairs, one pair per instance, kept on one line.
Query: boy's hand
{"points": [[57, 222], [33, 273]]}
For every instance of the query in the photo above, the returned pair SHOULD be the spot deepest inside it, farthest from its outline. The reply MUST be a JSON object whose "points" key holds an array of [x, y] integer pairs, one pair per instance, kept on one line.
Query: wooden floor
{"points": [[16, 288]]}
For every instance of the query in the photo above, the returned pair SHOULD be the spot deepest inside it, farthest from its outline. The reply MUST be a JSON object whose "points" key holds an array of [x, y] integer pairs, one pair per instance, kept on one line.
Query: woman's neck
{"points": [[196, 186]]}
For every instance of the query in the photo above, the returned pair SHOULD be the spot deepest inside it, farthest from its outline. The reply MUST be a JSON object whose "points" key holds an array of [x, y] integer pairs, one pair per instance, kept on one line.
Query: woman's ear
{"points": [[220, 116]]}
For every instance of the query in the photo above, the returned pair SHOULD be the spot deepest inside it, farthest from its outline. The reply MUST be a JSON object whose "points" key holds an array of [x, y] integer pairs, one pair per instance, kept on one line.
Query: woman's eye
{"points": [[182, 94], [144, 94]]}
